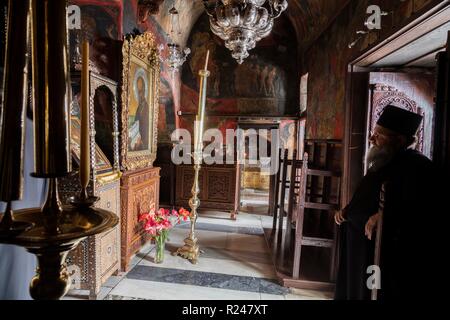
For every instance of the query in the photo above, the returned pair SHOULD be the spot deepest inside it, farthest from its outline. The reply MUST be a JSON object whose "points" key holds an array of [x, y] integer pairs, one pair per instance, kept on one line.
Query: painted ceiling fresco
{"points": [[309, 17]]}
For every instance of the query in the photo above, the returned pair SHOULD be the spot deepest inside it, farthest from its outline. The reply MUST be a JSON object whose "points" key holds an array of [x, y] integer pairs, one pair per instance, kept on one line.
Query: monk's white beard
{"points": [[378, 157]]}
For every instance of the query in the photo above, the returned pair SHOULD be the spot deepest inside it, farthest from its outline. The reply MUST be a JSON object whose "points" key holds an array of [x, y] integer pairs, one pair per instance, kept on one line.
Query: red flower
{"points": [[143, 217], [157, 224], [184, 214]]}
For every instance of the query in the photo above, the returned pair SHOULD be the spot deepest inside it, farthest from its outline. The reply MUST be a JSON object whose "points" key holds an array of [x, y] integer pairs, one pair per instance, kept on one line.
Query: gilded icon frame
{"points": [[140, 102]]}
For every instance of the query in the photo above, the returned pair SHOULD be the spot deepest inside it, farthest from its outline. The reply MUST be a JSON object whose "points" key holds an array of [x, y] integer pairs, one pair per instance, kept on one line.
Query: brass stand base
{"points": [[14, 229], [9, 227], [189, 251], [52, 280]]}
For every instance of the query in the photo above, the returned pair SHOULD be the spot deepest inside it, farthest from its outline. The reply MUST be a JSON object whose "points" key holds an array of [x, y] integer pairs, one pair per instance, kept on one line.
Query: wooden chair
{"points": [[305, 203], [281, 186], [313, 191], [277, 208]]}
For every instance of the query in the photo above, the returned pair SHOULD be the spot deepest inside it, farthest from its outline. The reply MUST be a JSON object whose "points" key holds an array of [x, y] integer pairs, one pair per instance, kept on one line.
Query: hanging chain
{"points": [[5, 25]]}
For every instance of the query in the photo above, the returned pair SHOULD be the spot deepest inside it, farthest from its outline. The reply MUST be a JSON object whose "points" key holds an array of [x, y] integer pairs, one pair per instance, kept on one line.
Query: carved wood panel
{"points": [[220, 184], [217, 186], [139, 193], [188, 181]]}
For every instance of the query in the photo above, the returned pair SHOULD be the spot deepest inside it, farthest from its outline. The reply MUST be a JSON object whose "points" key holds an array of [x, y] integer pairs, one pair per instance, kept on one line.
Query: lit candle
{"points": [[199, 121], [84, 139], [207, 58]]}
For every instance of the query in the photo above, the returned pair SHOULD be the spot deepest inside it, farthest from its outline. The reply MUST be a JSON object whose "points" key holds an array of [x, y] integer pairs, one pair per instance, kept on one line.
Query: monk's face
{"points": [[382, 137], [385, 144]]}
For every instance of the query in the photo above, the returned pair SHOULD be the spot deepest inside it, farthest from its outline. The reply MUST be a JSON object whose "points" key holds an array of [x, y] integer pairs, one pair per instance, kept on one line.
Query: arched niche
{"points": [[104, 119]]}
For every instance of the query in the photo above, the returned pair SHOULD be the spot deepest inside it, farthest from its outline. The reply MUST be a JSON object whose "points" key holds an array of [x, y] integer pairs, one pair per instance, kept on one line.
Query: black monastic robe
{"points": [[406, 256]]}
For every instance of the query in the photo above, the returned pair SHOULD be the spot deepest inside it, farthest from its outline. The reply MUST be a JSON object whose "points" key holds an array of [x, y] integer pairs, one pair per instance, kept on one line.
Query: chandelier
{"points": [[242, 23], [176, 56]]}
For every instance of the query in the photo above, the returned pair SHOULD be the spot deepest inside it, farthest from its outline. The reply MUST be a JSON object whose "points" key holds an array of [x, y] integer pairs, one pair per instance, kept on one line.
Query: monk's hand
{"points": [[339, 217], [371, 225]]}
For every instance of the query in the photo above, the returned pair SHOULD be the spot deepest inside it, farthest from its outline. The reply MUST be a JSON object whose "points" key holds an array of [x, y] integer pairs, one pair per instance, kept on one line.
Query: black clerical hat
{"points": [[400, 120]]}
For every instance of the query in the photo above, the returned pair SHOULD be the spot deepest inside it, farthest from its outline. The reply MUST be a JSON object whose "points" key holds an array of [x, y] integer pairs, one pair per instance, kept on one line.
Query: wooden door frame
{"points": [[417, 26]]}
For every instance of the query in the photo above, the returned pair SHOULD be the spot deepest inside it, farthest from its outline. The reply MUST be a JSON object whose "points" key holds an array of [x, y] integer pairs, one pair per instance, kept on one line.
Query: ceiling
{"points": [[308, 17]]}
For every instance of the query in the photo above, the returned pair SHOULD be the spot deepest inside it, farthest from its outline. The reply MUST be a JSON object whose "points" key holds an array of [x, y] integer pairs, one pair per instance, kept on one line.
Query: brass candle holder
{"points": [[191, 250], [56, 229], [13, 116], [9, 226]]}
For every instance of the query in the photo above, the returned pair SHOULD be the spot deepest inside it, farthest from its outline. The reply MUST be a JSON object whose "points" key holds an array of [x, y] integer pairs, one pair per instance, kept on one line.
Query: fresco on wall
{"points": [[266, 83], [166, 119], [326, 62], [101, 25]]}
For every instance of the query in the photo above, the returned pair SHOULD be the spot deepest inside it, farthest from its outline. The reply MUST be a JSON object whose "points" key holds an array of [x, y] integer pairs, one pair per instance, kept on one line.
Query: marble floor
{"points": [[254, 201], [235, 264]]}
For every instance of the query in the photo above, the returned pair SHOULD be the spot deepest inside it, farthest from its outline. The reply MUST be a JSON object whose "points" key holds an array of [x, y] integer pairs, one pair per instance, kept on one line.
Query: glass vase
{"points": [[160, 248]]}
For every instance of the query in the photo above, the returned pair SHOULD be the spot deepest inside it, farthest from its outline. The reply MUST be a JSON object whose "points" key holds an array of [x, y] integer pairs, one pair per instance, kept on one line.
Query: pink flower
{"points": [[158, 223], [166, 223]]}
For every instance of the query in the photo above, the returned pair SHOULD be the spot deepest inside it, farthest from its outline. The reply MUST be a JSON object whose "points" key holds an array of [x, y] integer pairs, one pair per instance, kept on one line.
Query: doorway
{"points": [[400, 71], [254, 180]]}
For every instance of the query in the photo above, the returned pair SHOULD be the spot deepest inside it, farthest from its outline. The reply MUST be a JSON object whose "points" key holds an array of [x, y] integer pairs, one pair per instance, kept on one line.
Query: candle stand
{"points": [[191, 250], [56, 230], [52, 231]]}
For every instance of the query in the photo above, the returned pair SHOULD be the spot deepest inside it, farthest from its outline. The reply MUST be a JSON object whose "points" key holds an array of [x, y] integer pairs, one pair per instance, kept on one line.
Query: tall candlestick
{"points": [[84, 139], [51, 88], [191, 250], [14, 102], [12, 122], [199, 121]]}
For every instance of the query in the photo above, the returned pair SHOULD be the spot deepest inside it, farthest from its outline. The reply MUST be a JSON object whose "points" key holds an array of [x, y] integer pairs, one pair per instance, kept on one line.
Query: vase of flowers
{"points": [[158, 224], [160, 248]]}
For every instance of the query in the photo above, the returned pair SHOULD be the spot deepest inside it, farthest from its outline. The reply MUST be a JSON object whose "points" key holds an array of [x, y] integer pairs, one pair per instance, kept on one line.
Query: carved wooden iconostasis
{"points": [[217, 186], [97, 257], [139, 132]]}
